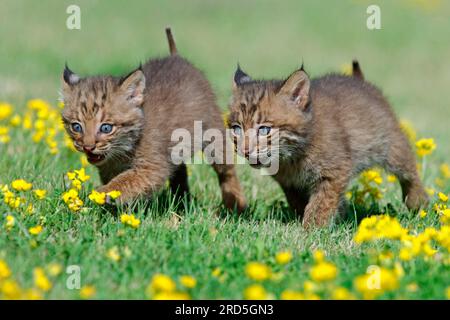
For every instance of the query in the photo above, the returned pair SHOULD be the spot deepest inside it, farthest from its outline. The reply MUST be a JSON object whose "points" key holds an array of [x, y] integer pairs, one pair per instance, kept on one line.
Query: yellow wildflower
{"points": [[84, 161], [113, 254], [81, 174], [379, 227], [10, 289], [445, 170], [372, 175], [72, 200], [40, 280], [188, 281], [27, 124], [309, 286], [4, 139], [445, 216], [130, 220], [171, 295], [5, 110], [161, 283], [443, 197], [35, 230], [114, 194], [54, 269], [341, 293], [391, 178], [37, 105], [376, 283], [216, 272], [319, 256], [21, 185], [283, 257], [292, 295], [87, 292], [32, 294], [15, 121], [39, 125], [40, 193], [255, 292], [323, 271], [98, 197], [5, 272], [422, 213], [430, 191], [412, 287], [258, 271], [425, 147], [10, 222]]}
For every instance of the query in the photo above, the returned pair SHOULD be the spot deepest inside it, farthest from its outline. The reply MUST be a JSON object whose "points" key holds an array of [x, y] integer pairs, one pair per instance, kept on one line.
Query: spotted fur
{"points": [[144, 107], [330, 129]]}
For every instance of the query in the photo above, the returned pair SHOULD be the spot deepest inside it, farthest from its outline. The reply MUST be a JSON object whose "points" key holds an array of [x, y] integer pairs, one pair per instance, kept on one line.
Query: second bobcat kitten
{"points": [[330, 129], [124, 126]]}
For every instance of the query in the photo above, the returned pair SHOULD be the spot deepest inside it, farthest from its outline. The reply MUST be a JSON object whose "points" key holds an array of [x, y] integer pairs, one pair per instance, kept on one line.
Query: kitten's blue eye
{"points": [[236, 130], [264, 130], [106, 128], [76, 127]]}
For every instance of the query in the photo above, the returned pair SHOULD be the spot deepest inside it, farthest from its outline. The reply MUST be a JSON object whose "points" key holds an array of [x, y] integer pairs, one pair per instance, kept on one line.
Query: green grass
{"points": [[408, 59]]}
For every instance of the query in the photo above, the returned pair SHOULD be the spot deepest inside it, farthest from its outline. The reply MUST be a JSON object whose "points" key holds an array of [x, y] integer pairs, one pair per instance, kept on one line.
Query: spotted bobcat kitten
{"points": [[124, 126], [329, 130]]}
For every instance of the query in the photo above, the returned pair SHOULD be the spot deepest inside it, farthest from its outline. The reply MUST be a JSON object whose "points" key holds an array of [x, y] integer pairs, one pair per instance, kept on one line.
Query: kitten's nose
{"points": [[89, 148]]}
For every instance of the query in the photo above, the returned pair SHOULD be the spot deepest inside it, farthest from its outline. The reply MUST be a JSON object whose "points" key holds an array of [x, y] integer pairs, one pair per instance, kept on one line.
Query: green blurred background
{"points": [[408, 58]]}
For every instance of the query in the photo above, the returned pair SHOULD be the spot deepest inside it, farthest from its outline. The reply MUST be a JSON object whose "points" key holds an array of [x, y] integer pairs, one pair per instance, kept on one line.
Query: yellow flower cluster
{"points": [[87, 292], [412, 245], [5, 111], [100, 197], [425, 147], [15, 197], [162, 287], [322, 270], [322, 273], [130, 220], [258, 271], [44, 122], [378, 281], [77, 178], [72, 200], [10, 289], [283, 257], [368, 187], [72, 197], [379, 227]]}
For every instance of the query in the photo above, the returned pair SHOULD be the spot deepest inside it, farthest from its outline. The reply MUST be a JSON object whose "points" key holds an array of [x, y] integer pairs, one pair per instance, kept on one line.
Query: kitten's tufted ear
{"points": [[296, 87], [240, 77], [69, 78], [133, 86]]}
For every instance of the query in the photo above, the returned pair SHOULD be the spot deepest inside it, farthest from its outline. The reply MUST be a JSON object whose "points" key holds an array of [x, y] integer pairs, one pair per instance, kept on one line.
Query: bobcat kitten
{"points": [[124, 125], [329, 130]]}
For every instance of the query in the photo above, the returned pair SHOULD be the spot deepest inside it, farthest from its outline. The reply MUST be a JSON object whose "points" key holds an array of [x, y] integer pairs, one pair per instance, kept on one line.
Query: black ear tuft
{"points": [[69, 76], [302, 67], [240, 77], [122, 79]]}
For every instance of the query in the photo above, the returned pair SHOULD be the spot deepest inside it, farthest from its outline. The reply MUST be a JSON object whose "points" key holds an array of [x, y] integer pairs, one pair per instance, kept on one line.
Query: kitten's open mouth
{"points": [[94, 158]]}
